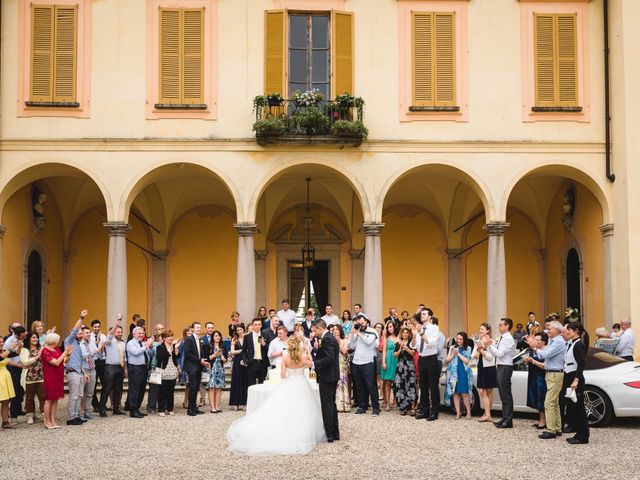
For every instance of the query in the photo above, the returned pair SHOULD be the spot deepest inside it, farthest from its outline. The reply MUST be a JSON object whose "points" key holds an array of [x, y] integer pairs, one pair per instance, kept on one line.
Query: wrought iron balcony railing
{"points": [[288, 121]]}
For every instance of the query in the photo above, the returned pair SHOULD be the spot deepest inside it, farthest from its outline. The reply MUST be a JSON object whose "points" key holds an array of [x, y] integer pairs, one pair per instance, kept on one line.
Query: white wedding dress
{"points": [[288, 422]]}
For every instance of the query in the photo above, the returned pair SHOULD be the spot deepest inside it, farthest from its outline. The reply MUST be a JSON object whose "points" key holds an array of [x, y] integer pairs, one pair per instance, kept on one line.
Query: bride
{"points": [[289, 421]]}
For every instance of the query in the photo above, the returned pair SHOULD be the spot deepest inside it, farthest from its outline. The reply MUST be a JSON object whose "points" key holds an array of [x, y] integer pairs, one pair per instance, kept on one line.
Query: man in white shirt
{"points": [[330, 318], [277, 347], [425, 341], [364, 340], [98, 339], [627, 342], [287, 316], [503, 353]]}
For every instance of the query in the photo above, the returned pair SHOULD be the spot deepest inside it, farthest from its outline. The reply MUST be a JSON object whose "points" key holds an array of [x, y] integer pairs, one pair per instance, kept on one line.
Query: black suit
{"points": [[327, 367], [576, 415], [307, 328], [256, 369], [193, 367]]}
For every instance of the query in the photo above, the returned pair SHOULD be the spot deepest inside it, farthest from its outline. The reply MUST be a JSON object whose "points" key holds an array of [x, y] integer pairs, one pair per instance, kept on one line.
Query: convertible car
{"points": [[612, 387]]}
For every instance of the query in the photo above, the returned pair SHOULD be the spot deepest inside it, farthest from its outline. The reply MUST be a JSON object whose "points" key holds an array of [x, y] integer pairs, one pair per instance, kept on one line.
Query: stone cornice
{"points": [[249, 145]]}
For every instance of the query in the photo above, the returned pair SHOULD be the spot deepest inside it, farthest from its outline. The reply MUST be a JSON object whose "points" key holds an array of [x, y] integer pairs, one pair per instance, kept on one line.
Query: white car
{"points": [[612, 388]]}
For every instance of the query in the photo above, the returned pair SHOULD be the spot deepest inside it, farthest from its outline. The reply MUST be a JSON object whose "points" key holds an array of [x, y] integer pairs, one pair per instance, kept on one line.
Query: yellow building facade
{"points": [[131, 180]]}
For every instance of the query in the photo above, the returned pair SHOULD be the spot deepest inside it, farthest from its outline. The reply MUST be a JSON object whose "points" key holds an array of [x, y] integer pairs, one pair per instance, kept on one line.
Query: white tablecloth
{"points": [[258, 393]]}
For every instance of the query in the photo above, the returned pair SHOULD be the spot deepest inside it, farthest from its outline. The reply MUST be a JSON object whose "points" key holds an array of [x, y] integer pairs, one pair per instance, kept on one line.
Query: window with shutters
{"points": [[182, 59], [555, 61], [433, 60], [308, 50], [54, 70]]}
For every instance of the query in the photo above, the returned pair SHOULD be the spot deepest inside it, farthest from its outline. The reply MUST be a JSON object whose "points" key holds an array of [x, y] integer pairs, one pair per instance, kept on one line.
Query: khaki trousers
{"points": [[552, 401]]}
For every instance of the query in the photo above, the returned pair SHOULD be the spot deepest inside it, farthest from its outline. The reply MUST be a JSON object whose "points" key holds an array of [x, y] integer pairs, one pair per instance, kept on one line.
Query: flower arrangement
{"points": [[274, 99], [270, 126], [311, 120], [571, 314], [307, 99], [346, 128]]}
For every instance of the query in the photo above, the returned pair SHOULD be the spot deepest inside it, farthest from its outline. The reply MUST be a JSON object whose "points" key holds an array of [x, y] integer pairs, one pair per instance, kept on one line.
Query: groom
{"points": [[326, 365]]}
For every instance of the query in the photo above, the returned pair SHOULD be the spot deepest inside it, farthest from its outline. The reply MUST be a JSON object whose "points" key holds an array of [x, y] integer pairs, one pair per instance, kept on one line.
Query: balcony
{"points": [[307, 119]]}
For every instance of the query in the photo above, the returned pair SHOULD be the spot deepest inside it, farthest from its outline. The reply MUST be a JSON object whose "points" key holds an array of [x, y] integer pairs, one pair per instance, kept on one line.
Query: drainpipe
{"points": [[607, 96]]}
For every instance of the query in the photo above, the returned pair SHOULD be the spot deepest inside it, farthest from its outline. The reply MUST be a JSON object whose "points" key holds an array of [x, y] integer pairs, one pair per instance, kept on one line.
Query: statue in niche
{"points": [[569, 207], [39, 219]]}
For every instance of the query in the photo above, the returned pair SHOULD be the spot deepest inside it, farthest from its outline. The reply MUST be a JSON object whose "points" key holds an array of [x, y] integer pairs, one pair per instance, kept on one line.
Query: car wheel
{"points": [[598, 406], [476, 404]]}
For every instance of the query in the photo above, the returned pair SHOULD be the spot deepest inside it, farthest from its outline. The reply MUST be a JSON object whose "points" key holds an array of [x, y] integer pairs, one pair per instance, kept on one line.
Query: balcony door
{"points": [[309, 53]]}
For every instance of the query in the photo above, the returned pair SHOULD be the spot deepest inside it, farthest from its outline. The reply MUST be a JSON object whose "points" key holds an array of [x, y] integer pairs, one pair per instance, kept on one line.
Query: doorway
{"points": [[573, 280], [312, 291], [34, 288]]}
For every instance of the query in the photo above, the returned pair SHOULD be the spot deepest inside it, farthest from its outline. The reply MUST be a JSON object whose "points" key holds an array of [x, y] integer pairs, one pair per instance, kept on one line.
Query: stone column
{"points": [[357, 277], [246, 272], [607, 237], [3, 230], [261, 278], [372, 271], [159, 288], [496, 274], [456, 292], [117, 271]]}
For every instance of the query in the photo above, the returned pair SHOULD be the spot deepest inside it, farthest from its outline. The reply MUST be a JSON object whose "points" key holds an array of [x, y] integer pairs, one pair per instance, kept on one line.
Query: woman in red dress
{"points": [[53, 367]]}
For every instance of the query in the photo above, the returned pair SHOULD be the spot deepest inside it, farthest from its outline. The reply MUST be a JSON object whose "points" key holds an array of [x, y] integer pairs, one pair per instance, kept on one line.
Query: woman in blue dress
{"points": [[459, 375], [217, 355]]}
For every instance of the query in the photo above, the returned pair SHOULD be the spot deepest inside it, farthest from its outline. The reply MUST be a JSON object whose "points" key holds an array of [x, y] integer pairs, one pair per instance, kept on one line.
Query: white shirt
{"points": [[287, 318], [504, 350], [331, 319], [365, 345], [627, 344], [429, 346], [441, 350], [101, 339], [276, 345]]}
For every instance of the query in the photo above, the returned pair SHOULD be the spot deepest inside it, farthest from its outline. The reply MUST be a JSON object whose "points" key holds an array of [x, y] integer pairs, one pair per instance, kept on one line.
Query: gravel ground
{"points": [[390, 446]]}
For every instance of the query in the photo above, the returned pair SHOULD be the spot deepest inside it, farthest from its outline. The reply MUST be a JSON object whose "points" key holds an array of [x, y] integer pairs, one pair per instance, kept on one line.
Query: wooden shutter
{"points": [[275, 43], [567, 61], [170, 55], [445, 64], [42, 42], [66, 34], [193, 56], [342, 52], [422, 59], [556, 60], [544, 61]]}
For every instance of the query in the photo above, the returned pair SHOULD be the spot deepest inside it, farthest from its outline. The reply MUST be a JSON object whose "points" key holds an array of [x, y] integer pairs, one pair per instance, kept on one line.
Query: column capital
{"points": [[3, 230], [246, 229], [454, 252], [372, 229], [117, 229], [496, 229], [606, 230]]}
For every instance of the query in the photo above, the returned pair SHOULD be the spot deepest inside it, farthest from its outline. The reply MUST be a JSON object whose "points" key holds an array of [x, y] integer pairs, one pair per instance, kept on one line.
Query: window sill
{"points": [[53, 104], [180, 106], [434, 109], [557, 109]]}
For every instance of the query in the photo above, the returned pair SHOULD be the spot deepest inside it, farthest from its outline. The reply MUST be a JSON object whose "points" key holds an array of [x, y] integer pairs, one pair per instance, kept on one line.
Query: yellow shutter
{"points": [[342, 52], [556, 60], [275, 42], [66, 29], [445, 67], [42, 43], [544, 61], [193, 56], [422, 59], [567, 61], [170, 55]]}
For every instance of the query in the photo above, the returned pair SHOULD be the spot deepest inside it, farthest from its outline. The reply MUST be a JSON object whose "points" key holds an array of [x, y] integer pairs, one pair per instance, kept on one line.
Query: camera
{"points": [[356, 326]]}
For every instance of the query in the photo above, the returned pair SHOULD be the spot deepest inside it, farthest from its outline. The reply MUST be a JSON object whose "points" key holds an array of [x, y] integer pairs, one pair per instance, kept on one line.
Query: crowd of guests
{"points": [[396, 364]]}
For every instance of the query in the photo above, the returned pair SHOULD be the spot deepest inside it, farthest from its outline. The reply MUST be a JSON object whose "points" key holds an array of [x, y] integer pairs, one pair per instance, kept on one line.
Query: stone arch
{"points": [[558, 170], [468, 178], [34, 171], [312, 162], [145, 177]]}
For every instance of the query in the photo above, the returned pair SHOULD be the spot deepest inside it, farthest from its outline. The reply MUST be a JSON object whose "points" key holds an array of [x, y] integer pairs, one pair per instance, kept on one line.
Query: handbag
{"points": [[155, 377], [571, 394]]}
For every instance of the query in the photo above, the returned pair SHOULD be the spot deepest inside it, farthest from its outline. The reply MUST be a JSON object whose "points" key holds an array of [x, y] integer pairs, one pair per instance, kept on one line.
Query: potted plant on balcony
{"points": [[310, 98], [347, 128], [274, 99], [269, 127], [311, 120]]}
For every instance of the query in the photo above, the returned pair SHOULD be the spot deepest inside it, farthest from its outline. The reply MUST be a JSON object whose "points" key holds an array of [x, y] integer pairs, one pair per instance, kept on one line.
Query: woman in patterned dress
{"points": [[6, 387], [343, 399], [217, 357], [32, 378], [405, 381], [459, 376]]}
